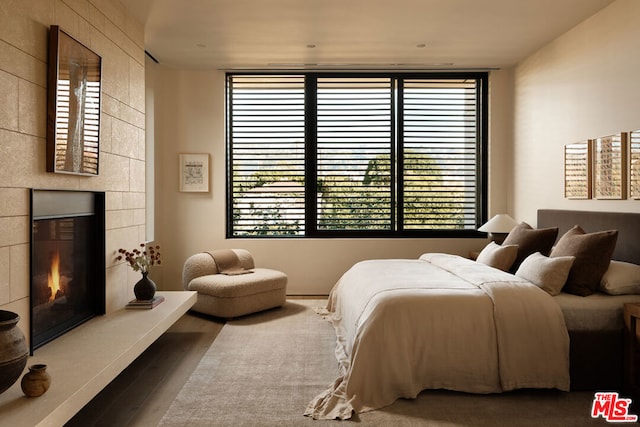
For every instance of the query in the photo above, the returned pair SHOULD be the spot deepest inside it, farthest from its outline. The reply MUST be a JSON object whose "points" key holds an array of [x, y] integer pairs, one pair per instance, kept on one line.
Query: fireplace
{"points": [[67, 261]]}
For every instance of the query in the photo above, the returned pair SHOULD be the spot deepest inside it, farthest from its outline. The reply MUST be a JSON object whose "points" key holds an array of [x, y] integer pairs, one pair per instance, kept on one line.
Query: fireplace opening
{"points": [[67, 262]]}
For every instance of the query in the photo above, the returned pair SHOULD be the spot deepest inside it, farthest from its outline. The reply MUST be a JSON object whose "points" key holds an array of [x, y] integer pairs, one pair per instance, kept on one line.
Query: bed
{"points": [[595, 323], [446, 322]]}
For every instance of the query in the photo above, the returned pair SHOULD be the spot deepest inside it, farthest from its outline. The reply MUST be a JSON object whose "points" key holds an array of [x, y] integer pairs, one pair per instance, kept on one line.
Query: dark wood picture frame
{"points": [[74, 86]]}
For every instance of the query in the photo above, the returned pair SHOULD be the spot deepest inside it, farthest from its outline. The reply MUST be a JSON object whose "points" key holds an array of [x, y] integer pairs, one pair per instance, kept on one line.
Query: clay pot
{"points": [[36, 382], [13, 349], [145, 289]]}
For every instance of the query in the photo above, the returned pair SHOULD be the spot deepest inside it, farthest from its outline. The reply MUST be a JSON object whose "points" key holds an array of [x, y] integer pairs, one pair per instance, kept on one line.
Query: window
{"points": [[320, 154]]}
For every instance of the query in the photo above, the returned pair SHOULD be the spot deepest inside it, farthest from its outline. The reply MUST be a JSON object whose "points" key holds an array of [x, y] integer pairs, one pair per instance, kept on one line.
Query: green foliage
{"points": [[428, 202], [271, 222], [348, 202]]}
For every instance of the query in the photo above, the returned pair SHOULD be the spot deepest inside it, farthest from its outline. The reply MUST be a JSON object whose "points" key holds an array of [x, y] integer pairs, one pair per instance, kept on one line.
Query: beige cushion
{"points": [[223, 286], [497, 256], [529, 241], [592, 251], [621, 278], [550, 274]]}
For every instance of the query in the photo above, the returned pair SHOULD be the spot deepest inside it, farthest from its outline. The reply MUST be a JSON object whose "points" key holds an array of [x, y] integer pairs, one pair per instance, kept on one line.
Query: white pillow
{"points": [[621, 278], [497, 256], [550, 274]]}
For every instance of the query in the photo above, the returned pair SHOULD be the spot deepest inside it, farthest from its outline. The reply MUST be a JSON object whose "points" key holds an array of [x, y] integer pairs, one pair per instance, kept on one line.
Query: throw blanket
{"points": [[228, 262], [440, 322]]}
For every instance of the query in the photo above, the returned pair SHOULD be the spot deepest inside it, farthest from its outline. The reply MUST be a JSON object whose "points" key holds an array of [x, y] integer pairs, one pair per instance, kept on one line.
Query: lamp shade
{"points": [[501, 223]]}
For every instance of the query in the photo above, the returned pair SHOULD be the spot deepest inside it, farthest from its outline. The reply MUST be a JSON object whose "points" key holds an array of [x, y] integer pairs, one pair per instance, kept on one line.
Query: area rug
{"points": [[263, 370]]}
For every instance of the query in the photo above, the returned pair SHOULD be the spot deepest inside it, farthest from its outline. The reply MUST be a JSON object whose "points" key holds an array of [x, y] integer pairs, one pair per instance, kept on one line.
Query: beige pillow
{"points": [[550, 274], [621, 278], [592, 251], [496, 256]]}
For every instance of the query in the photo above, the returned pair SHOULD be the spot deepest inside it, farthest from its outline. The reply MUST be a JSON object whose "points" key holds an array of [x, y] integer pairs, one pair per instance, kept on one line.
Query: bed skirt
{"points": [[596, 360]]}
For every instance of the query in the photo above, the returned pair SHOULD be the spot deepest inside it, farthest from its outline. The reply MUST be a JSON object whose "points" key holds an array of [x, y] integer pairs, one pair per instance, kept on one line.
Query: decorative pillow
{"points": [[592, 251], [550, 274], [529, 241], [621, 278], [500, 257]]}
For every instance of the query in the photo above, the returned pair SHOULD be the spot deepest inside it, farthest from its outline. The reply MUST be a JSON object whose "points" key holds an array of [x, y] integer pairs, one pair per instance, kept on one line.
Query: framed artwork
{"points": [[577, 170], [73, 105], [194, 173], [609, 166], [634, 164]]}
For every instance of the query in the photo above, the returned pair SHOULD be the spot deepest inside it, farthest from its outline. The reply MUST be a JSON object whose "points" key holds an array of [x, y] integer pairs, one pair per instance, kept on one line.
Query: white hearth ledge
{"points": [[83, 361]]}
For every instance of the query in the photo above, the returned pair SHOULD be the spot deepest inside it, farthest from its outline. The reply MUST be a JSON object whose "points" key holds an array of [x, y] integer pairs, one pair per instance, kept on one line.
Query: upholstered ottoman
{"points": [[229, 285]]}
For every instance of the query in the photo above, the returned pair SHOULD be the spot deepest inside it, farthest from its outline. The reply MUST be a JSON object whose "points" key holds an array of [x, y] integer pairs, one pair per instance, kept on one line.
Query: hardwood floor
{"points": [[143, 392]]}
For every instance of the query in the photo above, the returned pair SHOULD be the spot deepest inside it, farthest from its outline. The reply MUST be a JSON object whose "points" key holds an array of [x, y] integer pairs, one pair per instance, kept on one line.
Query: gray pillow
{"points": [[550, 274]]}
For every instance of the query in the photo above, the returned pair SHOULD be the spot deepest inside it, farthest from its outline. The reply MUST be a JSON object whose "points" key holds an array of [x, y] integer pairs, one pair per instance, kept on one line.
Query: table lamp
{"points": [[498, 227]]}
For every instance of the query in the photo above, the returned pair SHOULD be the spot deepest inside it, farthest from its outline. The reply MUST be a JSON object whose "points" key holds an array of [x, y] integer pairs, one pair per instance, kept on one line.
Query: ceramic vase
{"points": [[13, 349], [36, 382], [145, 289]]}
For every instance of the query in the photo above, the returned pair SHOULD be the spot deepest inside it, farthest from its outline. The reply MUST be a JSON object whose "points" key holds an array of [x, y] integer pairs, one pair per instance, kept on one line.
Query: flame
{"points": [[54, 276]]}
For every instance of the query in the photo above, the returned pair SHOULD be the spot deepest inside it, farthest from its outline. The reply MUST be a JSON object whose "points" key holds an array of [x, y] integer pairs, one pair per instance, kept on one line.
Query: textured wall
{"points": [[582, 85], [105, 27]]}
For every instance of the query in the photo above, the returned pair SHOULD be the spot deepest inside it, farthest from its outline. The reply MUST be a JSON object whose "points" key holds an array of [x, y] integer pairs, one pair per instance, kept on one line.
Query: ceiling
{"points": [[353, 34]]}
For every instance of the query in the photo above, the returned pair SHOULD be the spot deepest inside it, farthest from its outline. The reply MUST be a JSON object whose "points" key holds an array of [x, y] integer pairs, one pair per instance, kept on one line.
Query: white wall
{"points": [[189, 118], [582, 85]]}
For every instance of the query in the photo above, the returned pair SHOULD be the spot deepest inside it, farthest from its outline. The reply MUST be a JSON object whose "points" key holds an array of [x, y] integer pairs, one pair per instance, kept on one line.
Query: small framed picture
{"points": [[610, 167], [577, 170], [634, 164], [194, 172]]}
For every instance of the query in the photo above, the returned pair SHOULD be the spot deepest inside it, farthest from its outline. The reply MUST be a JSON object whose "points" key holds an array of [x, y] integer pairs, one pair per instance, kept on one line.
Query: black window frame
{"points": [[310, 186]]}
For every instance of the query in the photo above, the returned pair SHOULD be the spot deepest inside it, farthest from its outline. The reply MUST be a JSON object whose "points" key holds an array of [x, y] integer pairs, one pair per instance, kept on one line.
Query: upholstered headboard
{"points": [[627, 224]]}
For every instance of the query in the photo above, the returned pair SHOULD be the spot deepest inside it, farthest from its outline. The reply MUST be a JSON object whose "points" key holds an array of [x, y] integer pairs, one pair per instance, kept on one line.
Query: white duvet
{"points": [[439, 322]]}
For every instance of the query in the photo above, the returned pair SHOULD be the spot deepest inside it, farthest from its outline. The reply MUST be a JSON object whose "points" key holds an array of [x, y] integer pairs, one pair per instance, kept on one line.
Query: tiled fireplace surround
{"points": [[107, 28]]}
